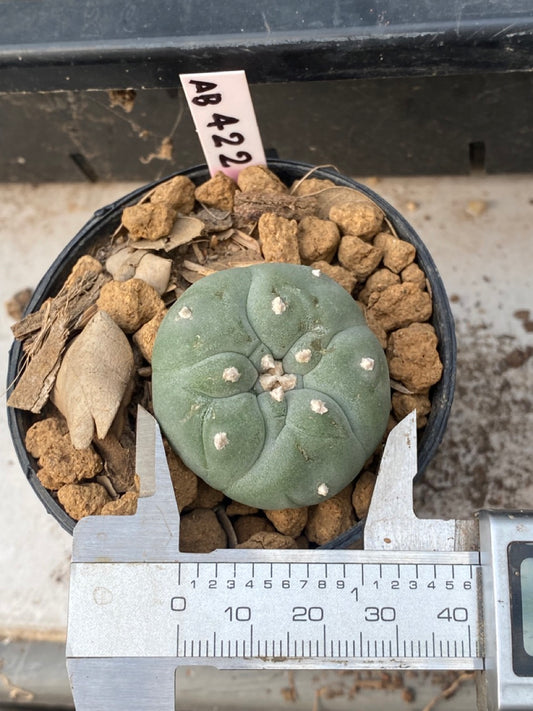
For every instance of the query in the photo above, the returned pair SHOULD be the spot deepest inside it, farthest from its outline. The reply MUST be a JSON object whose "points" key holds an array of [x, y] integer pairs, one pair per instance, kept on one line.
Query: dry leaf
{"points": [[128, 263], [93, 378], [122, 264], [184, 231]]}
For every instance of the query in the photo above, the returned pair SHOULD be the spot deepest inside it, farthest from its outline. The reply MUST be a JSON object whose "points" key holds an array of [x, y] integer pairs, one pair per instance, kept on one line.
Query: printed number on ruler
{"points": [[224, 117]]}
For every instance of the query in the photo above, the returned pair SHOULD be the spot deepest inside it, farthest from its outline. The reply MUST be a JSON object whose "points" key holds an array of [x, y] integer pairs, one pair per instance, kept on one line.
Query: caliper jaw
{"points": [[151, 535], [391, 523], [123, 684]]}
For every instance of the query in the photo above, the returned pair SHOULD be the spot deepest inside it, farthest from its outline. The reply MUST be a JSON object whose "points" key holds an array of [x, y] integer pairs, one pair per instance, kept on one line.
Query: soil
{"points": [[190, 232], [485, 461]]}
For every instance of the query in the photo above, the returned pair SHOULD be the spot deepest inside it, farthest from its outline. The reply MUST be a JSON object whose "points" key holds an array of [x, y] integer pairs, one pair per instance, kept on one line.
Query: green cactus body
{"points": [[270, 385]]}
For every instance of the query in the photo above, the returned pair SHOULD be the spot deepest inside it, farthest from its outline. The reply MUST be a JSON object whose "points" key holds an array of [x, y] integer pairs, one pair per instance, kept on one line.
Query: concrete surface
{"points": [[478, 230]]}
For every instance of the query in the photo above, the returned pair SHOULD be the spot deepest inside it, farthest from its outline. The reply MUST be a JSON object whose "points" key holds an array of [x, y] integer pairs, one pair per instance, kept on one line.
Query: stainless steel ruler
{"points": [[422, 594], [257, 614]]}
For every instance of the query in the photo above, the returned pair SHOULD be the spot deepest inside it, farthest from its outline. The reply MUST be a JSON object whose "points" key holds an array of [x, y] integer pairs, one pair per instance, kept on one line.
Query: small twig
{"points": [[223, 213], [449, 690], [391, 227], [198, 253], [244, 240], [310, 172], [194, 267], [395, 385]]}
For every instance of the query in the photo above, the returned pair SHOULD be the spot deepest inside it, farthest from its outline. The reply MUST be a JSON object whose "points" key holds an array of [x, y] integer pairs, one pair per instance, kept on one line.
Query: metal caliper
{"points": [[422, 594]]}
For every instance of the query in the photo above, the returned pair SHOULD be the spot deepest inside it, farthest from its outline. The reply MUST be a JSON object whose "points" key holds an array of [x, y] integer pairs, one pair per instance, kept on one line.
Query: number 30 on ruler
{"points": [[223, 113]]}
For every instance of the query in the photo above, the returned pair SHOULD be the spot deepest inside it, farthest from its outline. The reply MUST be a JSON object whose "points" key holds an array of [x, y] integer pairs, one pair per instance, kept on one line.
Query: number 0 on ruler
{"points": [[224, 117]]}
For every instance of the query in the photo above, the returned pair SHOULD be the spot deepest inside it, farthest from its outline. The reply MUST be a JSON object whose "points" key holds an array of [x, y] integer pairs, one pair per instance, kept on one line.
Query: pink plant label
{"points": [[224, 117]]}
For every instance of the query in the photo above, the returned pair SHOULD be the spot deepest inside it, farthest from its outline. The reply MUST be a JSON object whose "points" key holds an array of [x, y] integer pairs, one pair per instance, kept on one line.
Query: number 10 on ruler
{"points": [[224, 118]]}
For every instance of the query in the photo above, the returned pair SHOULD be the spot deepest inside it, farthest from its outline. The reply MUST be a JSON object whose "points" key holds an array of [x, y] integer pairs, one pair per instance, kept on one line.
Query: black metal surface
{"points": [[408, 126], [99, 44]]}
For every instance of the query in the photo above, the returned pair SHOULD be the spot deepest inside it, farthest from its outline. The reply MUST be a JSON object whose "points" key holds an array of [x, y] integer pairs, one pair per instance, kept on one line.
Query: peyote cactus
{"points": [[270, 385]]}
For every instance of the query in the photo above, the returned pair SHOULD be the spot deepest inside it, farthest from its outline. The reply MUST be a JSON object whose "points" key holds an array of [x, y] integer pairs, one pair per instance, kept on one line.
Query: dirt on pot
{"points": [[88, 349]]}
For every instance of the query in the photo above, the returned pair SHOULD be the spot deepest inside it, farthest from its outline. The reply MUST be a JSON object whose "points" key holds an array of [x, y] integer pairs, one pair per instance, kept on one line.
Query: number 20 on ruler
{"points": [[224, 118]]}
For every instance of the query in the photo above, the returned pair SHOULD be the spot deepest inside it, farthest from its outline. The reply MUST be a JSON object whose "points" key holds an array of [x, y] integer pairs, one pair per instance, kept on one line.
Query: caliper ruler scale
{"points": [[420, 595]]}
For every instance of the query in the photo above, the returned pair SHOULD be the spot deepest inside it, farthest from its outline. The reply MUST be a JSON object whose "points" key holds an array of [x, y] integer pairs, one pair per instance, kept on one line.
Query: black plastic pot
{"points": [[102, 225]]}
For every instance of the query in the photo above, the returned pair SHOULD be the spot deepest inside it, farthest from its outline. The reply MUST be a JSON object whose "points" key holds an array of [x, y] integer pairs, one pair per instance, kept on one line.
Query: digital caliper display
{"points": [[520, 555]]}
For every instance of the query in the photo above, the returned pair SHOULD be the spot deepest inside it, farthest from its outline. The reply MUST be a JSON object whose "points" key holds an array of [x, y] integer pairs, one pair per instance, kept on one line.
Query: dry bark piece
{"points": [[317, 239], [377, 282], [33, 388], [55, 321], [397, 253], [362, 493], [359, 257], [201, 532], [28, 325], [362, 219], [249, 206], [144, 338], [126, 505], [218, 192], [69, 305], [339, 274], [130, 303], [93, 378], [278, 239], [290, 522], [404, 403], [85, 265], [400, 305], [184, 481], [148, 221], [330, 518], [260, 178], [267, 539], [81, 500], [247, 526], [413, 357], [176, 193]]}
